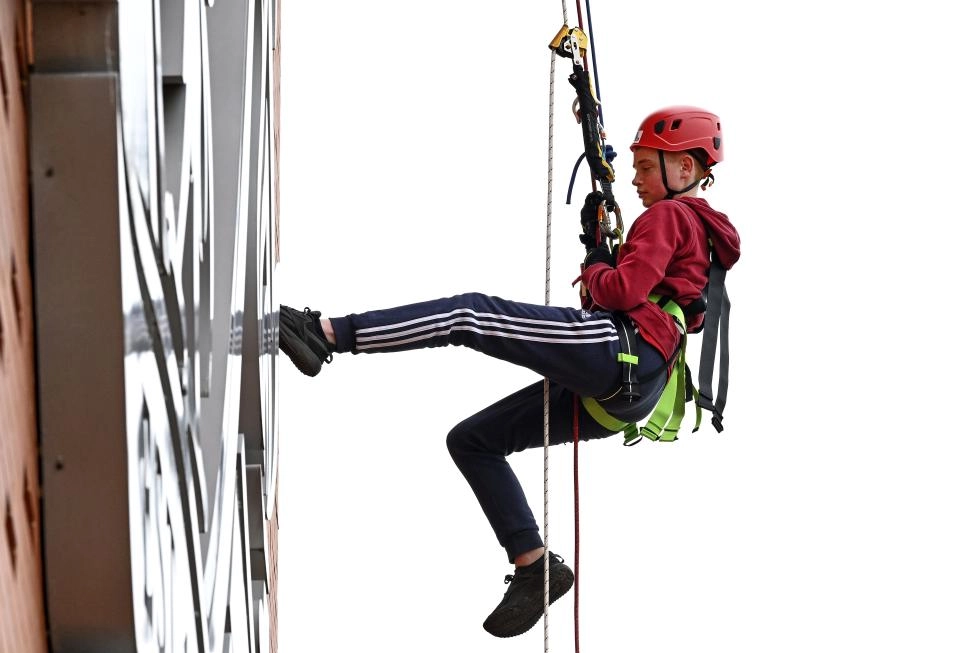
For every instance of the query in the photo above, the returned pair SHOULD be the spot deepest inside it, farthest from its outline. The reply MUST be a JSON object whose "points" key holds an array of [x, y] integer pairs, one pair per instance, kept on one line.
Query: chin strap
{"points": [[671, 193], [708, 180]]}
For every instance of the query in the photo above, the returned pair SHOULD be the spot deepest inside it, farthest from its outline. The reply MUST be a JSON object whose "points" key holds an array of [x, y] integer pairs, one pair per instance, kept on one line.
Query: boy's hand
{"points": [[600, 254], [589, 218]]}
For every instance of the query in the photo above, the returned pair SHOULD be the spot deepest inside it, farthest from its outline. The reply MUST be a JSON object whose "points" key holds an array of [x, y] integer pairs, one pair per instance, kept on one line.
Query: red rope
{"points": [[581, 26], [575, 413], [575, 477], [575, 419]]}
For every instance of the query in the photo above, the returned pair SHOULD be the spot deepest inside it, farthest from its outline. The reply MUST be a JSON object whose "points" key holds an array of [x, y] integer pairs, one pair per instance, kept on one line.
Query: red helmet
{"points": [[681, 128]]}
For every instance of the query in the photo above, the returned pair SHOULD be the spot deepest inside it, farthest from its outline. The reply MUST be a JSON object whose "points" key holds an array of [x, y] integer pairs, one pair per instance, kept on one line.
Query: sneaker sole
{"points": [[555, 593], [301, 355]]}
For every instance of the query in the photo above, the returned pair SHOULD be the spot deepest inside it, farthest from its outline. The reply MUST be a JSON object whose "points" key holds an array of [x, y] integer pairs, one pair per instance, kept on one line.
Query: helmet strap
{"points": [[671, 193], [708, 180]]}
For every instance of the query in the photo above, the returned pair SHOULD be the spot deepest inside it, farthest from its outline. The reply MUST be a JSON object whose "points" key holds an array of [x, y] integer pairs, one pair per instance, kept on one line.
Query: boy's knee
{"points": [[463, 438], [474, 300], [455, 440]]}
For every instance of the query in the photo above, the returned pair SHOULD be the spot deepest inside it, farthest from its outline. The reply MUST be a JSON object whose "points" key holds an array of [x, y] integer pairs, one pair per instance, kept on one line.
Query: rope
{"points": [[595, 66], [575, 414], [547, 302]]}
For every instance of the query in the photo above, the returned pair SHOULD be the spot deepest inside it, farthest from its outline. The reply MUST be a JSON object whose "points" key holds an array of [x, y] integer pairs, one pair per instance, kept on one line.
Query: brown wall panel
{"points": [[22, 626]]}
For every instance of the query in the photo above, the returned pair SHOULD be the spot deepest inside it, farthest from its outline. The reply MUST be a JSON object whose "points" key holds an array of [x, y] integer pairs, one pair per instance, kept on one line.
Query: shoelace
{"points": [[553, 558], [509, 578]]}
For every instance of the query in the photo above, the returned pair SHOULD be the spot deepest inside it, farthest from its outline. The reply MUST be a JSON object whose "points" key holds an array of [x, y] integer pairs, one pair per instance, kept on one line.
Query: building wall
{"points": [[153, 166], [22, 627]]}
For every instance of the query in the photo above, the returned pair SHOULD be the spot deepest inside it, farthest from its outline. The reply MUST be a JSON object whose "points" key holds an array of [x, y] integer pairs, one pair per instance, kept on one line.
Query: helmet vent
{"points": [[717, 142], [659, 127], [676, 124]]}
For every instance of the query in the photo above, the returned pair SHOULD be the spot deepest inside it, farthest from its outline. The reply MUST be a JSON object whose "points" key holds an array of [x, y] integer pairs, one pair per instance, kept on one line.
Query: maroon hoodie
{"points": [[665, 253]]}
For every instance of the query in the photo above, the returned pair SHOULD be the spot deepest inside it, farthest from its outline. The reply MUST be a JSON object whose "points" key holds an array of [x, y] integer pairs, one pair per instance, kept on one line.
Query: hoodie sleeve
{"points": [[653, 242]]}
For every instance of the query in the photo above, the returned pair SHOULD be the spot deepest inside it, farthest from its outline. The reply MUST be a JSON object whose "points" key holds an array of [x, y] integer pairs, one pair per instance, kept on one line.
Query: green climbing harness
{"points": [[665, 420]]}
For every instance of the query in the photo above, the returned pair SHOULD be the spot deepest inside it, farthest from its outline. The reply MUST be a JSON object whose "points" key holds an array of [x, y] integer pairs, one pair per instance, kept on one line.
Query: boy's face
{"points": [[647, 178]]}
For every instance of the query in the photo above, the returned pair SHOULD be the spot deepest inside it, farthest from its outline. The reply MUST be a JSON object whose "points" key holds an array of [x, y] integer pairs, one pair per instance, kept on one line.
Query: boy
{"points": [[665, 254]]}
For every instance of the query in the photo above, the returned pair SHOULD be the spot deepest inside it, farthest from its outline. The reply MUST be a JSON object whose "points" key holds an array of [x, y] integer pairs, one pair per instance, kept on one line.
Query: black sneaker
{"points": [[523, 603], [301, 338]]}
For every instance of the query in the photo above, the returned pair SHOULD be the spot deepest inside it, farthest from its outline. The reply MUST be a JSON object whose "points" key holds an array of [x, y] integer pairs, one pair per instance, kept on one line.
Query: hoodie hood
{"points": [[724, 237]]}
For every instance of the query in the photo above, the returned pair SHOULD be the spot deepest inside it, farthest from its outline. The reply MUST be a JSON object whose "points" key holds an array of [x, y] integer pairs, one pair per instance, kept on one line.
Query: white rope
{"points": [[547, 302]]}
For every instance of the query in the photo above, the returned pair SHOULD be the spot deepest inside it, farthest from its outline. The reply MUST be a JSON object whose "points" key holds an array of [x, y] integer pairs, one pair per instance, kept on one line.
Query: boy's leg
{"points": [[479, 445], [573, 347]]}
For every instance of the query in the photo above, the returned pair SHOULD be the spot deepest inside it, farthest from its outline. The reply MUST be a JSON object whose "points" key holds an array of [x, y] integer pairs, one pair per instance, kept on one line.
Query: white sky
{"points": [[837, 511]]}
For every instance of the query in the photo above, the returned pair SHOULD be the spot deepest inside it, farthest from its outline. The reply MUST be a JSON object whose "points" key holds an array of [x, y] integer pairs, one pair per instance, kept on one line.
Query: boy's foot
{"points": [[523, 603], [301, 338]]}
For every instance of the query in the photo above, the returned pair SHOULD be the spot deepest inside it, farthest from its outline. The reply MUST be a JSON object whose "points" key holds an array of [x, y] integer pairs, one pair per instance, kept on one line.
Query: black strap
{"points": [[627, 343], [716, 317]]}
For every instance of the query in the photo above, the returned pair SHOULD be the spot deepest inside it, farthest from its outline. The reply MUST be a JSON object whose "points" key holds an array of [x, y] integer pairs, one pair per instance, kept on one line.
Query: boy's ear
{"points": [[687, 163]]}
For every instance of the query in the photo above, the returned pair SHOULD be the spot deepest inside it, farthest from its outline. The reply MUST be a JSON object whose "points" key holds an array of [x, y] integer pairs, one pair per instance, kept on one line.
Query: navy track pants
{"points": [[575, 349]]}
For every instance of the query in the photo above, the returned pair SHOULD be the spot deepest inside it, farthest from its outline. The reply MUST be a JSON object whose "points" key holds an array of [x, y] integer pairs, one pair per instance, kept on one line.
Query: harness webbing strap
{"points": [[599, 414], [668, 414], [666, 419], [627, 356], [664, 423], [713, 320]]}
